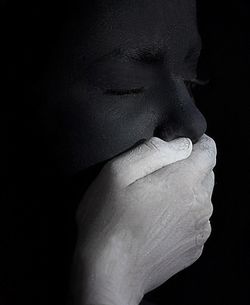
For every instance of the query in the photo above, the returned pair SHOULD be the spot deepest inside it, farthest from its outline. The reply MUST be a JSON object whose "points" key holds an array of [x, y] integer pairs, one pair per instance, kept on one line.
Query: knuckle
{"points": [[208, 229], [211, 152], [205, 210], [206, 154], [209, 161], [208, 143], [154, 143], [111, 167], [194, 254], [212, 177], [212, 160], [204, 234], [210, 209], [112, 173], [198, 252], [213, 146], [117, 173], [208, 182]]}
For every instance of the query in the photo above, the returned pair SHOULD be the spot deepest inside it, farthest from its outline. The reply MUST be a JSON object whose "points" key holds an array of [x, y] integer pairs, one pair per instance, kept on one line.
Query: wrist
{"points": [[103, 275]]}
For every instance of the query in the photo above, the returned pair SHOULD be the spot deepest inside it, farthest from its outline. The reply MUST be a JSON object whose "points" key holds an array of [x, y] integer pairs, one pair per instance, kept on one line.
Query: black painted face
{"points": [[120, 74]]}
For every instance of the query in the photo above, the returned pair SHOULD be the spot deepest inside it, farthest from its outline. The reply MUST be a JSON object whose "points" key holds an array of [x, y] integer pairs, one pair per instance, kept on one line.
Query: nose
{"points": [[183, 119]]}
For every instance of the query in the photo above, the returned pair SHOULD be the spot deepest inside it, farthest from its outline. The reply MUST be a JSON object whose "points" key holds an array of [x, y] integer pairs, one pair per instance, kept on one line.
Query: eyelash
{"points": [[190, 84], [124, 92], [194, 83]]}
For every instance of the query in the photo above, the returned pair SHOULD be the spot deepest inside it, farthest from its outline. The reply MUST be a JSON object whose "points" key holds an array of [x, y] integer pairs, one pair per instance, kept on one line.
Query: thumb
{"points": [[149, 157]]}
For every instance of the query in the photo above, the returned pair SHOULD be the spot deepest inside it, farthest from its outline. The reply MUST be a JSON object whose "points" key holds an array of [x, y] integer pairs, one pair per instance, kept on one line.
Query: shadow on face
{"points": [[96, 79], [116, 73]]}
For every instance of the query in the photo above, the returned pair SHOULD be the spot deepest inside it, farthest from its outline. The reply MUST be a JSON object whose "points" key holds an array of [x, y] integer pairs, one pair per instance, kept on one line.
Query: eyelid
{"points": [[124, 91], [199, 82], [195, 82]]}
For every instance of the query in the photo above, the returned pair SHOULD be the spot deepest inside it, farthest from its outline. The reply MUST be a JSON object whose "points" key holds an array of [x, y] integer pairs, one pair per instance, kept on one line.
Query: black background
{"points": [[218, 276], [221, 275]]}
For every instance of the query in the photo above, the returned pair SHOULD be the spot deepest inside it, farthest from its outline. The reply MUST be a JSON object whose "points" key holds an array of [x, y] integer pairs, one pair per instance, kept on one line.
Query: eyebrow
{"points": [[149, 55], [152, 54]]}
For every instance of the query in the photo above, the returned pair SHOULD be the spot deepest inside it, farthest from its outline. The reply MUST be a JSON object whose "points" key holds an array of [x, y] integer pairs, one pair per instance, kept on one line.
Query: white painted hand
{"points": [[144, 218]]}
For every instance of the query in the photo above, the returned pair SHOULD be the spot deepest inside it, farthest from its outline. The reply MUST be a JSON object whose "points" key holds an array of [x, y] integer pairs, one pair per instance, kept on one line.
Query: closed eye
{"points": [[124, 92]]}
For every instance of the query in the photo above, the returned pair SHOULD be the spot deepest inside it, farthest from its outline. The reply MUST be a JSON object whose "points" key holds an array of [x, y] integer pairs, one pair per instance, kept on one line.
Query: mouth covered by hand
{"points": [[144, 218]]}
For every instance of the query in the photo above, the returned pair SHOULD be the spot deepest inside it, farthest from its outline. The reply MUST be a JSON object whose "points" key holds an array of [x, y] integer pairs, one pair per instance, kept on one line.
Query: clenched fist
{"points": [[144, 218]]}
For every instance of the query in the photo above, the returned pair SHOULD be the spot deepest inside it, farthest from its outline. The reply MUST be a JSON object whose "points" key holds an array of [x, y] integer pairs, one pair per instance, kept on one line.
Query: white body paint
{"points": [[145, 218]]}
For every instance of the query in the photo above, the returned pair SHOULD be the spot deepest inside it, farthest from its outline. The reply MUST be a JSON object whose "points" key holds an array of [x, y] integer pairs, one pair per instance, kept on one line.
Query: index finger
{"points": [[200, 162], [204, 153]]}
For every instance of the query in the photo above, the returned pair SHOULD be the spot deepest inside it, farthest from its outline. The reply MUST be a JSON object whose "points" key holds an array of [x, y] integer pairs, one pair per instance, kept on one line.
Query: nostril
{"points": [[165, 132], [195, 140], [190, 125]]}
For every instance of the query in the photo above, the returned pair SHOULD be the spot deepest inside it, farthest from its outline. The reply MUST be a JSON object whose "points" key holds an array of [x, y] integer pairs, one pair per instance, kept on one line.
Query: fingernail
{"points": [[183, 143]]}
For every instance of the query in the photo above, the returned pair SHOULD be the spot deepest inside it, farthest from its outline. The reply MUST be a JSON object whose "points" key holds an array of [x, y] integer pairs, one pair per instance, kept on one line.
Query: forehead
{"points": [[107, 24]]}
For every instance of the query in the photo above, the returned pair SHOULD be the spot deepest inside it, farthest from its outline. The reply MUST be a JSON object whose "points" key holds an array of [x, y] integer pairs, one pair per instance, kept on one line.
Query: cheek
{"points": [[87, 128], [111, 126]]}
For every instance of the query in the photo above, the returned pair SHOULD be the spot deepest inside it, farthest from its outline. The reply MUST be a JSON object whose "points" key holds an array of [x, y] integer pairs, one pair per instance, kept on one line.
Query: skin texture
{"points": [[82, 119], [145, 218], [70, 123]]}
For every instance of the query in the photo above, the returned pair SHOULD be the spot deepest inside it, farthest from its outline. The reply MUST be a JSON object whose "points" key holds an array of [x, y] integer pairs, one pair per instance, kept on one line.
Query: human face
{"points": [[119, 76]]}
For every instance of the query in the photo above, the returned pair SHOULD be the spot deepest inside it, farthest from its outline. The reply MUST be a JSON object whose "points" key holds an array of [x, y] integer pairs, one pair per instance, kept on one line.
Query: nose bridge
{"points": [[183, 118]]}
